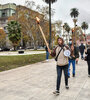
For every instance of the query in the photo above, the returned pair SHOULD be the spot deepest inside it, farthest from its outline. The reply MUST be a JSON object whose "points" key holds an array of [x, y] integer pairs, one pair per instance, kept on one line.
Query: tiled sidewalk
{"points": [[38, 81]]}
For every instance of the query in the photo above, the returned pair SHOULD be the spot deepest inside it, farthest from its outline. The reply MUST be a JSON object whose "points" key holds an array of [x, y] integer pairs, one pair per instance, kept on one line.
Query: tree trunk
{"points": [[84, 31], [74, 20], [14, 48], [85, 34], [50, 23], [35, 46]]}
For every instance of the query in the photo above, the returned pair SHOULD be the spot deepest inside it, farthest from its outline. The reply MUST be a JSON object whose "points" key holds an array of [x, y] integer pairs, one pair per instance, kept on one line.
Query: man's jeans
{"points": [[73, 65], [59, 74], [82, 55], [88, 67], [47, 55]]}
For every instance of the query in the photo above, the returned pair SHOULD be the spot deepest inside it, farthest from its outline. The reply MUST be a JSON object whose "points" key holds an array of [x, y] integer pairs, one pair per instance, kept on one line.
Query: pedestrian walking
{"points": [[82, 48], [88, 59], [62, 63], [47, 53], [72, 59]]}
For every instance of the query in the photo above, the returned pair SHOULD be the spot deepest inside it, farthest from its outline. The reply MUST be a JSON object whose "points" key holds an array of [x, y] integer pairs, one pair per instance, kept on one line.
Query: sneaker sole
{"points": [[56, 93]]}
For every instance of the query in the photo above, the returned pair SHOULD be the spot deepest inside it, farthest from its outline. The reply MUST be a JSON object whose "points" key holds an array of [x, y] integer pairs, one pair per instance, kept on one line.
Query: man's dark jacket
{"points": [[88, 54], [81, 48], [76, 54]]}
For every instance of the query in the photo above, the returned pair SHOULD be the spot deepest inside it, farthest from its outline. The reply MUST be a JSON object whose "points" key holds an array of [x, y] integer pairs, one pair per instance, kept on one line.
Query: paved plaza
{"points": [[38, 81]]}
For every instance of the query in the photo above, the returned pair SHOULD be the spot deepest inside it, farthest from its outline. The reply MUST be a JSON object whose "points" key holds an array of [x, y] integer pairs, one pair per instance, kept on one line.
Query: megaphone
{"points": [[67, 53]]}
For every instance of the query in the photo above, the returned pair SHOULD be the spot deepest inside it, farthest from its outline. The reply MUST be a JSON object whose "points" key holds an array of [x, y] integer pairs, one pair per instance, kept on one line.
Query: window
{"points": [[3, 14]]}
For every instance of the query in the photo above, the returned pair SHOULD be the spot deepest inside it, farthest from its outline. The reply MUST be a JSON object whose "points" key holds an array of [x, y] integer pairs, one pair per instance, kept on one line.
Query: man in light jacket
{"points": [[62, 63]]}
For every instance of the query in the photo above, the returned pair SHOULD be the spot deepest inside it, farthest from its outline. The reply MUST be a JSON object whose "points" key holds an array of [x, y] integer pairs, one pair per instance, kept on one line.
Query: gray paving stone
{"points": [[38, 81]]}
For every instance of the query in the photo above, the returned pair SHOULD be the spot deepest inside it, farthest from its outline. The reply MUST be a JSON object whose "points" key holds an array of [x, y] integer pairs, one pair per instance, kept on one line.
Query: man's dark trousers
{"points": [[59, 74], [88, 67], [82, 55]]}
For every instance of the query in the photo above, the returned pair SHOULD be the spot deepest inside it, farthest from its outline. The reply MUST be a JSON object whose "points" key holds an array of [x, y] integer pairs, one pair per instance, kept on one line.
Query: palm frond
{"points": [[74, 12], [84, 26]]}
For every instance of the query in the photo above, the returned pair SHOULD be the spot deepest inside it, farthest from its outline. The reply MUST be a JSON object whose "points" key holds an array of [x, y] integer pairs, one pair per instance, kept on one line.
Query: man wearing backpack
{"points": [[62, 63]]}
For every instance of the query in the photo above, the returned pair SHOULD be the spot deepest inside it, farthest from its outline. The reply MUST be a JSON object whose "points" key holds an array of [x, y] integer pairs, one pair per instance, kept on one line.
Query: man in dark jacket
{"points": [[88, 59], [82, 48]]}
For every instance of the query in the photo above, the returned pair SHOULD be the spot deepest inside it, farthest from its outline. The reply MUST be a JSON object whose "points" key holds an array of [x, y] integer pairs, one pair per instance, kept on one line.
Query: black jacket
{"points": [[76, 54], [88, 54], [81, 48]]}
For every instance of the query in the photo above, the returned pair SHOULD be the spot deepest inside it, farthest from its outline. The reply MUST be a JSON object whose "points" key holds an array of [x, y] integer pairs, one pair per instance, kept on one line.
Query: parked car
{"points": [[5, 49], [0, 49]]}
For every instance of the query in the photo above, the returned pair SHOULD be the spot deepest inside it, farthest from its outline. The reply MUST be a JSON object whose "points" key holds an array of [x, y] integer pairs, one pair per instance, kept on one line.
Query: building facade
{"points": [[26, 17], [6, 11]]}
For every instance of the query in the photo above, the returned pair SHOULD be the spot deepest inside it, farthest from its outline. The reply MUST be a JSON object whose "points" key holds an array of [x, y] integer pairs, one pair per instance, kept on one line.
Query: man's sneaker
{"points": [[73, 75], [76, 62], [68, 76], [47, 60], [56, 92], [82, 58], [88, 75], [67, 87]]}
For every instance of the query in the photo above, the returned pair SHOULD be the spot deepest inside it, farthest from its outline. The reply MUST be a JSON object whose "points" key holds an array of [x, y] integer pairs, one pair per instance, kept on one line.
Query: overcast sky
{"points": [[62, 9]]}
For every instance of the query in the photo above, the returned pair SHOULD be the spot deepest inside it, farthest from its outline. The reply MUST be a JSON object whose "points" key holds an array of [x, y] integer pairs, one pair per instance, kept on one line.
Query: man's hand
{"points": [[77, 59], [85, 50], [49, 50], [73, 56]]}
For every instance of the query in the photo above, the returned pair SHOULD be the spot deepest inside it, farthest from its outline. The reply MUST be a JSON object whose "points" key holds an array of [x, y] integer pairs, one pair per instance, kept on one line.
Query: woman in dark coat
{"points": [[88, 60]]}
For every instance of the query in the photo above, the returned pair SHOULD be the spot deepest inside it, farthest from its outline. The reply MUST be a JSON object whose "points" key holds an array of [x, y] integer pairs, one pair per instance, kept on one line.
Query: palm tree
{"points": [[14, 33], [74, 13], [49, 2], [67, 28], [84, 26]]}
